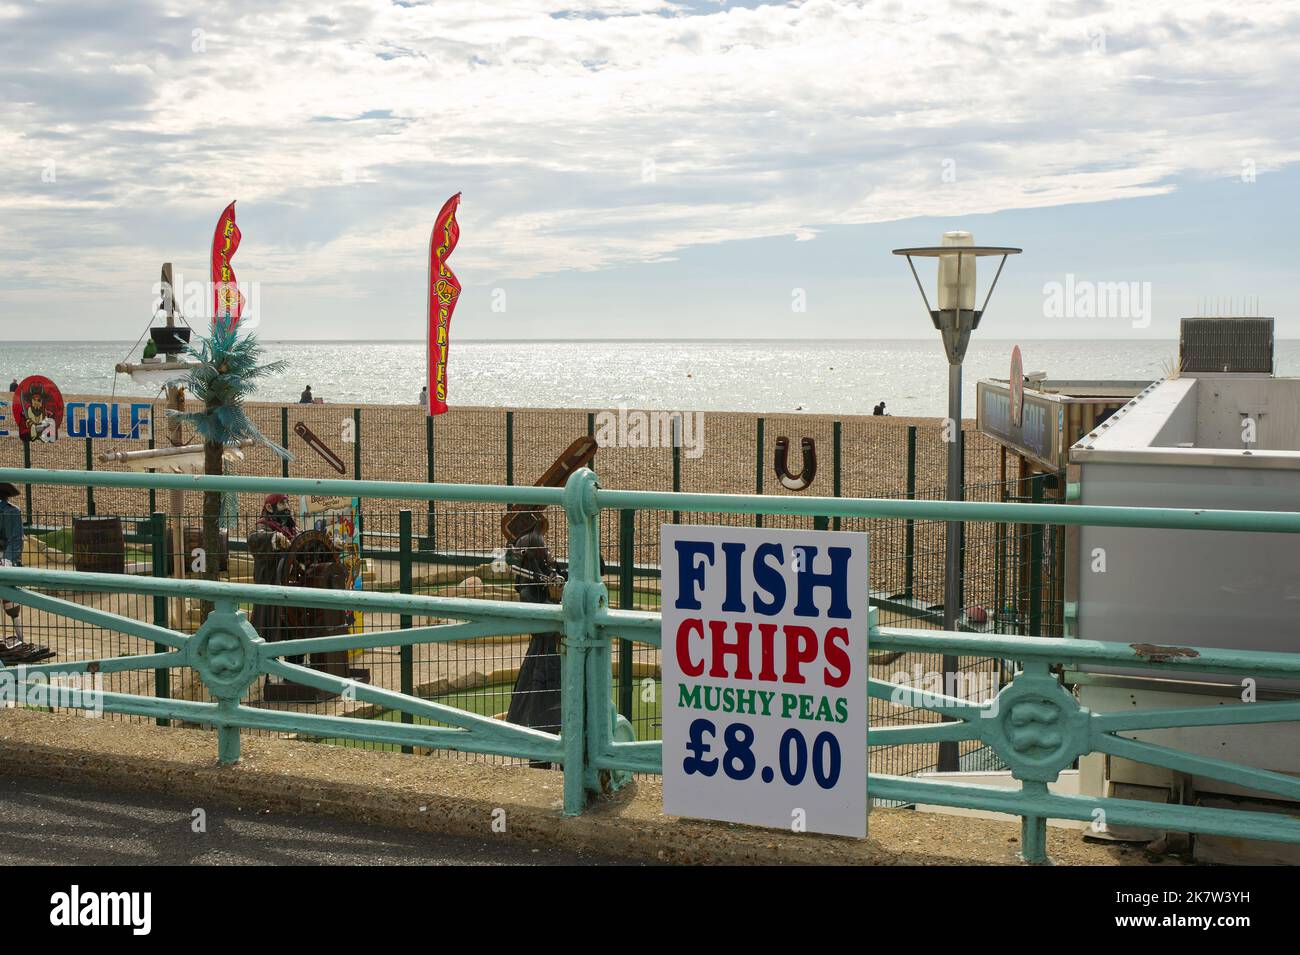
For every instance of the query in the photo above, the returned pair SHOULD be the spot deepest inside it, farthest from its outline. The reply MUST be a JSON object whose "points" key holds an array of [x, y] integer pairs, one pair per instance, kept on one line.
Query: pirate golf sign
{"points": [[764, 647], [37, 412]]}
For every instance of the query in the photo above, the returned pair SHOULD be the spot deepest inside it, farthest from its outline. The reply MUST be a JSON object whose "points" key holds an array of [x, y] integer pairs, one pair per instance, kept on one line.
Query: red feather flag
{"points": [[444, 291], [227, 301]]}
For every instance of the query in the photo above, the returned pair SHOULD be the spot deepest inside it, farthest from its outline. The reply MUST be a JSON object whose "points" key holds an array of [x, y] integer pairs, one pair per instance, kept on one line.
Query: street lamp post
{"points": [[955, 318]]}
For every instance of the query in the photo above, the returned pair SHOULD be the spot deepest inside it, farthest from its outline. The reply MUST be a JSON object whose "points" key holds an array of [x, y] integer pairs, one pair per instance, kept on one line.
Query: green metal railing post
{"points": [[510, 448], [27, 464], [226, 616], [153, 493], [965, 527], [227, 736], [949, 754], [1033, 829], [584, 697], [836, 460], [821, 522], [431, 537], [356, 443], [90, 488], [1036, 561], [284, 438], [909, 546], [591, 432], [405, 585], [158, 554], [758, 466], [626, 601], [677, 464], [356, 476], [1000, 576]]}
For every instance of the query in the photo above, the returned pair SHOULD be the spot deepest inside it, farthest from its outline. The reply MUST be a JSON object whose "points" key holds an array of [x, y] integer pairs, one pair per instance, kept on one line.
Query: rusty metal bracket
{"points": [[1157, 654]]}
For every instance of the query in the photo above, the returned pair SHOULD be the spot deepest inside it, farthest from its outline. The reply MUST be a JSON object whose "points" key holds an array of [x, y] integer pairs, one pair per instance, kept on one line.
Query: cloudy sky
{"points": [[634, 168]]}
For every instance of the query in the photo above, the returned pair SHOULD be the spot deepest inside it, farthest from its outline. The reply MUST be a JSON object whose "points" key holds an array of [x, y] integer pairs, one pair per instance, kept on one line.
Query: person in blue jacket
{"points": [[13, 649], [11, 527]]}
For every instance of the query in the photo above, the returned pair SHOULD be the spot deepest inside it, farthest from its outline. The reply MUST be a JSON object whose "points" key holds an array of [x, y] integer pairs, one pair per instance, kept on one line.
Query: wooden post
{"points": [[176, 507], [90, 466]]}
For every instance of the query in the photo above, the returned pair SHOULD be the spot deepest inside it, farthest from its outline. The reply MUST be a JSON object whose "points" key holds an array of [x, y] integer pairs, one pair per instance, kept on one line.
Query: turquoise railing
{"points": [[596, 747]]}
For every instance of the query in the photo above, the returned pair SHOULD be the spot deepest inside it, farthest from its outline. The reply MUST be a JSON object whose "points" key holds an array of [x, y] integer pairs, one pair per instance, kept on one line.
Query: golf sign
{"points": [[764, 649]]}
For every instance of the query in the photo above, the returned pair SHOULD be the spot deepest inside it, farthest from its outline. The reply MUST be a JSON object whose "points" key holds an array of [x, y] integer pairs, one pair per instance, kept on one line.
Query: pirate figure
{"points": [[13, 649], [535, 701], [34, 411], [285, 556], [38, 405], [268, 542]]}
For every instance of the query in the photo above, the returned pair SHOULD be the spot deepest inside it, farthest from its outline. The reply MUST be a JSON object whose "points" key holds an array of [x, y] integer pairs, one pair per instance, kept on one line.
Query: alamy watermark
{"points": [[651, 429], [195, 298], [75, 907], [923, 688], [71, 689], [1082, 298]]}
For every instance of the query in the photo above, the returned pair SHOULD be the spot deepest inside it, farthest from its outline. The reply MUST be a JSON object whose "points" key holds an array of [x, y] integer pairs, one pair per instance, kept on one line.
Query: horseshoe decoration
{"points": [[319, 446], [801, 480]]}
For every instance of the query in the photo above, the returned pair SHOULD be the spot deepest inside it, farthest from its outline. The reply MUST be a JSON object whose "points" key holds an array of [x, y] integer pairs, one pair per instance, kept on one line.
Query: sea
{"points": [[771, 376]]}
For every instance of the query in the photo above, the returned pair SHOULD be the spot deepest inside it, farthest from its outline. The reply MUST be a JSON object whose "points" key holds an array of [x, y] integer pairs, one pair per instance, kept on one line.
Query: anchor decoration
{"points": [[320, 447], [519, 519], [804, 477]]}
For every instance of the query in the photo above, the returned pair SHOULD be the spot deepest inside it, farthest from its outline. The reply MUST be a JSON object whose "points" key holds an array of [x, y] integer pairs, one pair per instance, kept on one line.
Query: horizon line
{"points": [[525, 341]]}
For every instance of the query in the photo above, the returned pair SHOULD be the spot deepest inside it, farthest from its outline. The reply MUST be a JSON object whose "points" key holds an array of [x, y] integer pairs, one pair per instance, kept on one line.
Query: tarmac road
{"points": [[46, 822]]}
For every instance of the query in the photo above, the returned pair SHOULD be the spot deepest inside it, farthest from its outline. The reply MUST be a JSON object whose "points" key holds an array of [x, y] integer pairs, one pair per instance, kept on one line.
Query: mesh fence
{"points": [[722, 452], [1011, 573]]}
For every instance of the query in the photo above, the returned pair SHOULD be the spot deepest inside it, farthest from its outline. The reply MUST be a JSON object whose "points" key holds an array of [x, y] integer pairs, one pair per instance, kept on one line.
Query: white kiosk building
{"points": [[1222, 432]]}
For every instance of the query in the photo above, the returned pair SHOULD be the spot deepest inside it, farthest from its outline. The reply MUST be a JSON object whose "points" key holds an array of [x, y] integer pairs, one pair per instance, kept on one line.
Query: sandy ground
{"points": [[469, 447]]}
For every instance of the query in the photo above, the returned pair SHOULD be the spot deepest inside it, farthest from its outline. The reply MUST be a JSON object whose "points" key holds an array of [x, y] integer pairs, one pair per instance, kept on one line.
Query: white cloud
{"points": [[355, 120]]}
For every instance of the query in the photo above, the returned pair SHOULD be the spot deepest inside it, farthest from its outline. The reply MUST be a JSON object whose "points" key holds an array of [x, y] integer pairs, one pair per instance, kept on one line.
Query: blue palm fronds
{"points": [[225, 377]]}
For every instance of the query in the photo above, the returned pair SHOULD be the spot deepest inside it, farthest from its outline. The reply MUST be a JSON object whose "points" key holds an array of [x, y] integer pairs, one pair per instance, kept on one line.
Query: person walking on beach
{"points": [[424, 397], [306, 398], [13, 386], [878, 410]]}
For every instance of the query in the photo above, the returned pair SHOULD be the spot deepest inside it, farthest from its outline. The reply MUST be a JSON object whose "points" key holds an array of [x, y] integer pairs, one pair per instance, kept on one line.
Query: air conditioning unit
{"points": [[1226, 346]]}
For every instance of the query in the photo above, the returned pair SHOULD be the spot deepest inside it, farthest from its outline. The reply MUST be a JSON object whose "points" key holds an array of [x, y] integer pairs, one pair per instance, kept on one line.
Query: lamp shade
{"points": [[956, 273]]}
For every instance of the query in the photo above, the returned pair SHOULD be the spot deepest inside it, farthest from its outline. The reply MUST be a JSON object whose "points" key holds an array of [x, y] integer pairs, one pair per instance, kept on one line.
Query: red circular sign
{"points": [[1017, 381], [38, 408]]}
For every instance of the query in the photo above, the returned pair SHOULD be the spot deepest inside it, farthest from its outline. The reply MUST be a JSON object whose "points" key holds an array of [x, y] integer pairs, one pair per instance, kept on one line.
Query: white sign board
{"points": [[765, 677]]}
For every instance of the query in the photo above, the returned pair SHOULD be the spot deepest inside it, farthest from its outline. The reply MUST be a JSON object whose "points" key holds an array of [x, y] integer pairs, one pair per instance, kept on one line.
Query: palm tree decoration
{"points": [[225, 376]]}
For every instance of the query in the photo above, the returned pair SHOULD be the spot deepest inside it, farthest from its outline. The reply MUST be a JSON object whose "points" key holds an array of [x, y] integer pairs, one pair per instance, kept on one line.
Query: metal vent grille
{"points": [[1232, 345]]}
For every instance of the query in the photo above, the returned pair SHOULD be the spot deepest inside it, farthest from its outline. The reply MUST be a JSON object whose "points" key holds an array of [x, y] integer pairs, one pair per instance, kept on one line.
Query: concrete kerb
{"points": [[455, 797]]}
